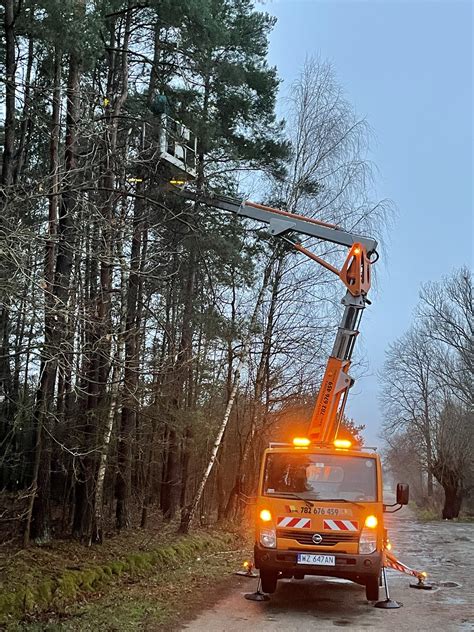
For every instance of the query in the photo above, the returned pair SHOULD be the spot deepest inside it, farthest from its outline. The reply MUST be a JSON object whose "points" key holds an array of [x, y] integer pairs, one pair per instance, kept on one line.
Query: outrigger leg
{"points": [[403, 568], [387, 603], [258, 595]]}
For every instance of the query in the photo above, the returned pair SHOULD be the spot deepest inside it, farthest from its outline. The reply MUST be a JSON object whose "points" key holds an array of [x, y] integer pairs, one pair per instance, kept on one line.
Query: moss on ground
{"points": [[57, 593], [160, 601]]}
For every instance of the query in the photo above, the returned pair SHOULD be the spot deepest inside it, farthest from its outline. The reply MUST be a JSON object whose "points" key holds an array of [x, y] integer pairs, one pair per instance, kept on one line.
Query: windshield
{"points": [[320, 477]]}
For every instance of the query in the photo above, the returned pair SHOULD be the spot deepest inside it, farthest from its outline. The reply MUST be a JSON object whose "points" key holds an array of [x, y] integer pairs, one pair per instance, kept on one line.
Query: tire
{"points": [[372, 589], [269, 580]]}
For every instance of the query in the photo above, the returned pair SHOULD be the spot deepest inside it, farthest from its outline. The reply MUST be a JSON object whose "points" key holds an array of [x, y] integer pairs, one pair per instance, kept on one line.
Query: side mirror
{"points": [[403, 494]]}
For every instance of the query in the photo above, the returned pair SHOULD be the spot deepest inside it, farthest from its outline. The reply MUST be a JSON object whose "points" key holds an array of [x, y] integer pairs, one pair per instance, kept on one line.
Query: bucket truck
{"points": [[320, 509]]}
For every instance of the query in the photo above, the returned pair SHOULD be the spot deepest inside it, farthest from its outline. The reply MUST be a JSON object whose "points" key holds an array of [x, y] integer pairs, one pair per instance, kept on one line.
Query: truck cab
{"points": [[320, 512]]}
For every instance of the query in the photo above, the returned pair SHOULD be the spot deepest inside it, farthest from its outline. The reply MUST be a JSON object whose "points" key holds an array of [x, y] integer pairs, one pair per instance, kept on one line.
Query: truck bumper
{"points": [[356, 568]]}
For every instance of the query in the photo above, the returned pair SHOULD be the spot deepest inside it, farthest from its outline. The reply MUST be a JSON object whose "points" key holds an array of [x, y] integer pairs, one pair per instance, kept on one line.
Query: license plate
{"points": [[317, 560]]}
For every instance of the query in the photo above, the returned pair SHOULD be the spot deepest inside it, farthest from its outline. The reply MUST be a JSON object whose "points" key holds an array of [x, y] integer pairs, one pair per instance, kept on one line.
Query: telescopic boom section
{"points": [[283, 222], [355, 274]]}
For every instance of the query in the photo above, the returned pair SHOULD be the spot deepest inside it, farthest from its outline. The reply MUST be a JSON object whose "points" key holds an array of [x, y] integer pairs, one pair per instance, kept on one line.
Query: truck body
{"points": [[320, 512]]}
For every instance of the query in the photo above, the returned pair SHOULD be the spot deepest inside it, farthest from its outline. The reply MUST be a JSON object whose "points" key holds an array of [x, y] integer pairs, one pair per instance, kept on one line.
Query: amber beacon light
{"points": [[342, 443], [301, 442]]}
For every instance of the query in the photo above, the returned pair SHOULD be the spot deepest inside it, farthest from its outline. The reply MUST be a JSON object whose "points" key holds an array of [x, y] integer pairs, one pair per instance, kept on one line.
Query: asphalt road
{"points": [[444, 549]]}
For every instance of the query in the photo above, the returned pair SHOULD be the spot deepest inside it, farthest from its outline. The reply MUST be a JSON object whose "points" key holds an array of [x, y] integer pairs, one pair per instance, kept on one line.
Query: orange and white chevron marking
{"points": [[392, 562], [294, 523], [341, 525]]}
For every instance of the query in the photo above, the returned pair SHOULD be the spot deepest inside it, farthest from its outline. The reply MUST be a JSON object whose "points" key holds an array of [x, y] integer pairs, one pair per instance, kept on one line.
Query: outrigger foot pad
{"points": [[257, 596], [246, 574], [247, 570], [388, 604], [421, 585]]}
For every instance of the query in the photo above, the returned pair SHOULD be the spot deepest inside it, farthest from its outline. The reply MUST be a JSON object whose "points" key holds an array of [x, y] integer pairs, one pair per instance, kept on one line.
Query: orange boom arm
{"points": [[336, 383]]}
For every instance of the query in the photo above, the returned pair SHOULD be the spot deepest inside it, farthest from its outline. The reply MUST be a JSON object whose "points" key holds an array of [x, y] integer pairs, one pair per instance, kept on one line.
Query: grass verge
{"points": [[62, 600], [430, 514]]}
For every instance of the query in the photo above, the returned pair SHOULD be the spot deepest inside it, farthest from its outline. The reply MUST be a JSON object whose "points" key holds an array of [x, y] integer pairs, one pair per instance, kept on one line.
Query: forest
{"points": [[133, 323]]}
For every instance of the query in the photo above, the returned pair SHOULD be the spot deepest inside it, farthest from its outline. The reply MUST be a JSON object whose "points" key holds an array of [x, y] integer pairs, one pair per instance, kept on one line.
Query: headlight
{"points": [[367, 542], [268, 538]]}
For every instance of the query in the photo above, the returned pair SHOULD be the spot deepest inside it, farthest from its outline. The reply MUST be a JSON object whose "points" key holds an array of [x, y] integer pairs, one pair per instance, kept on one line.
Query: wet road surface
{"points": [[444, 549]]}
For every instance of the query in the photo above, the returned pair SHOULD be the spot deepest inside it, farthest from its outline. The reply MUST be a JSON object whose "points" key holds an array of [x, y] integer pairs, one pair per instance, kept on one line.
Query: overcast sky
{"points": [[407, 67]]}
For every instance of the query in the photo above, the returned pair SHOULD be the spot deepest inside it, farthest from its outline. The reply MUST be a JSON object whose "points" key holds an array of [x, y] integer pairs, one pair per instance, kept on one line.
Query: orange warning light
{"points": [[342, 443], [371, 522], [357, 251], [301, 442], [265, 515]]}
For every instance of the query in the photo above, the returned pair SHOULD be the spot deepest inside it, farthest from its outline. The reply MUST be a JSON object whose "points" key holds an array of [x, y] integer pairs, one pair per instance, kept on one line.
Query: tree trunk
{"points": [[450, 481], [148, 477], [26, 122], [452, 502], [5, 369], [123, 488], [184, 369], [39, 517], [429, 447], [171, 481], [10, 93], [98, 531], [7, 180]]}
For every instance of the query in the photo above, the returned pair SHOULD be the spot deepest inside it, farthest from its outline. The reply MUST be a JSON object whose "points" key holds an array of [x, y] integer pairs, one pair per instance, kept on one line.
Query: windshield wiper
{"points": [[340, 500], [292, 495]]}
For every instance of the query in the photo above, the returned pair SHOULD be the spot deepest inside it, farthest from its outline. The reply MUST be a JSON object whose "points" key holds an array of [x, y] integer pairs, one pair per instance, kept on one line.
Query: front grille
{"points": [[306, 537]]}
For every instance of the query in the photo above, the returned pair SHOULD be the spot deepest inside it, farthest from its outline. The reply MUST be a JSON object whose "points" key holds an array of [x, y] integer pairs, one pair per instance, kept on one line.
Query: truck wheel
{"points": [[372, 589], [269, 580]]}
